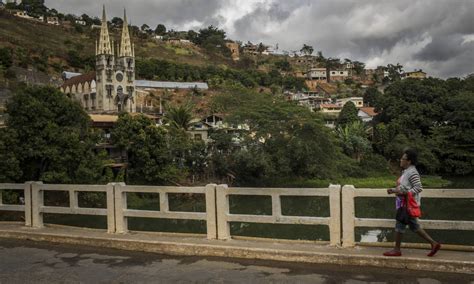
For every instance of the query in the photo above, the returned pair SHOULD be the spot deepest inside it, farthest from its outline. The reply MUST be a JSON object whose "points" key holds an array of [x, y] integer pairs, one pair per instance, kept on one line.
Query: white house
{"points": [[81, 22], [366, 114], [317, 74], [52, 21], [358, 101]]}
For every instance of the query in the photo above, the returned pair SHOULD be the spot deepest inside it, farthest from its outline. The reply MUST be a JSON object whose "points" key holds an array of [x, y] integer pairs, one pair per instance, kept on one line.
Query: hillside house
{"points": [[318, 74], [358, 101], [52, 21], [80, 22], [366, 114], [234, 49], [23, 15], [199, 130], [339, 75], [415, 75], [311, 101], [330, 108]]}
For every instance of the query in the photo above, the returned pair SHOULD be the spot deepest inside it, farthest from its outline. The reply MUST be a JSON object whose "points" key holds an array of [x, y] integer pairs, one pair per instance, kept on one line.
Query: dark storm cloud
{"points": [[443, 48], [435, 35], [174, 13]]}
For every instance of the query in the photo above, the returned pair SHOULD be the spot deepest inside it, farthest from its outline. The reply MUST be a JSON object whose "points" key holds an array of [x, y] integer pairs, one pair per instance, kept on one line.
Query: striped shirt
{"points": [[410, 182]]}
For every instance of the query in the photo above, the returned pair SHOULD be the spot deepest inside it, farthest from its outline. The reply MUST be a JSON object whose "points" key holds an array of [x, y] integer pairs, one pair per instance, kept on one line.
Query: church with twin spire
{"points": [[111, 88]]}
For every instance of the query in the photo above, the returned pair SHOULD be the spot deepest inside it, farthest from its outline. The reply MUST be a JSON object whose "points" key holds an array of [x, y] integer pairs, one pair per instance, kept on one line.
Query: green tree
{"points": [[348, 114], [358, 67], [179, 117], [454, 138], [10, 170], [144, 28], [6, 58], [160, 29], [283, 65], [117, 22], [150, 160], [210, 35], [394, 72], [307, 49], [57, 144], [413, 104], [370, 96], [293, 140], [353, 138]]}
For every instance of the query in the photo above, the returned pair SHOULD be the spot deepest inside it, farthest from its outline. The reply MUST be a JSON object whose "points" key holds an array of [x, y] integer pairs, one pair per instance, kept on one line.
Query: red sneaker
{"points": [[434, 249], [393, 253]]}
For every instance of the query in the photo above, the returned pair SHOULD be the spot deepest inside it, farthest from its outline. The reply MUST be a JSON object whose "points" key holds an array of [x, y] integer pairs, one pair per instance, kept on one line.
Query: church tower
{"points": [[115, 76], [125, 71]]}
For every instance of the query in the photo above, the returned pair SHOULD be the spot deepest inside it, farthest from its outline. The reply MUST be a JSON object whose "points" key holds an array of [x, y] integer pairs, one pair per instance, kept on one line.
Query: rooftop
{"points": [[88, 77], [170, 85]]}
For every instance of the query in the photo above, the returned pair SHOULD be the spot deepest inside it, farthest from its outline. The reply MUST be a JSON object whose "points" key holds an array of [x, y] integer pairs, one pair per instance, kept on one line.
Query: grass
{"points": [[382, 181], [179, 50]]}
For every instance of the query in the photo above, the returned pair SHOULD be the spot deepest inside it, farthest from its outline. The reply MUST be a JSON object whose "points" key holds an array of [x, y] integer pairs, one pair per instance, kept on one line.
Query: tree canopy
{"points": [[348, 114], [50, 139]]}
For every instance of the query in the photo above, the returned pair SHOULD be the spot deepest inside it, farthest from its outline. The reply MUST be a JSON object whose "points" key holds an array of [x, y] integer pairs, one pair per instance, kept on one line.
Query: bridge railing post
{"points": [[28, 204], [335, 213], [37, 201], [222, 208], [211, 214], [120, 197], [110, 208], [348, 216]]}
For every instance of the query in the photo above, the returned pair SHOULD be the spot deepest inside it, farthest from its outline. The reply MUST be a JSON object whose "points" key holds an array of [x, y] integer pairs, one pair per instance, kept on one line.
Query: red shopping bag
{"points": [[413, 208]]}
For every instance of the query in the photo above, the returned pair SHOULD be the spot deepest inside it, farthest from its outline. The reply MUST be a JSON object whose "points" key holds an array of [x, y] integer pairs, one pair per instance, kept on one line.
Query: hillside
{"points": [[55, 48]]}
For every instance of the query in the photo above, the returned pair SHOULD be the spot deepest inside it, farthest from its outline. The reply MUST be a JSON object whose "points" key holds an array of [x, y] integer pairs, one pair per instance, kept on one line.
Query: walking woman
{"points": [[409, 182]]}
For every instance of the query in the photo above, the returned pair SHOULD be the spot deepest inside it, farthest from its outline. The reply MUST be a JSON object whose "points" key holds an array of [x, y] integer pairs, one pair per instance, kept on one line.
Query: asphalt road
{"points": [[35, 262]]}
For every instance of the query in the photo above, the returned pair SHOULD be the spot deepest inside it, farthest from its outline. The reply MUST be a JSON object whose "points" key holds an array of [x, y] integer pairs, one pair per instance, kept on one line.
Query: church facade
{"points": [[111, 88]]}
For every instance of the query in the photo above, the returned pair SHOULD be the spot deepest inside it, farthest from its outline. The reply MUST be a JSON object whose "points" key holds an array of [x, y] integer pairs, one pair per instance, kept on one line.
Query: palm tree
{"points": [[353, 138], [179, 117]]}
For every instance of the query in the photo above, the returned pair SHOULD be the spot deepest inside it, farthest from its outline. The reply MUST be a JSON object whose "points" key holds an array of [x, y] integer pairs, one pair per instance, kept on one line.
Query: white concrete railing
{"points": [[26, 207], [350, 221], [224, 217], [217, 215], [38, 207], [122, 212]]}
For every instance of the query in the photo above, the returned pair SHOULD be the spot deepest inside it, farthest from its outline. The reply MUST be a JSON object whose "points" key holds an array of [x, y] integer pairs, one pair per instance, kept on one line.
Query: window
{"points": [[197, 136]]}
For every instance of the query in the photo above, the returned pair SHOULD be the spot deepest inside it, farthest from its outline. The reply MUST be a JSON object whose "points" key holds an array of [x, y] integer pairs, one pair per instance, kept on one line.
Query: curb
{"points": [[222, 250]]}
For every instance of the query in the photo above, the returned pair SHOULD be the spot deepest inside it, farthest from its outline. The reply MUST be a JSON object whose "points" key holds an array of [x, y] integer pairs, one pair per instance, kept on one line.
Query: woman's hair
{"points": [[412, 155]]}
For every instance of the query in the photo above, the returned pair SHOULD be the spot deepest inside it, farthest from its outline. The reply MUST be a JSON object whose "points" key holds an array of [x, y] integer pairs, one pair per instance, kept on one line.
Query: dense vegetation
{"points": [[433, 115], [49, 138], [215, 76]]}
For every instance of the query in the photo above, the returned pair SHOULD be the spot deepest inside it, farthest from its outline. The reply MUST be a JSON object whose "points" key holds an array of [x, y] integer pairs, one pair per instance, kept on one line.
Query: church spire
{"points": [[126, 44], [104, 39]]}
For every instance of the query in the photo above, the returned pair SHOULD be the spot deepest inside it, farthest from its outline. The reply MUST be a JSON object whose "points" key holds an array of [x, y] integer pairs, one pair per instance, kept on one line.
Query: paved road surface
{"points": [[34, 262]]}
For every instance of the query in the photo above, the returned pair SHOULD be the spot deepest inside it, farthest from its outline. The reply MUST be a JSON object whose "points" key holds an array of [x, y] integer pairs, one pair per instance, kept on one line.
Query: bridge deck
{"points": [[305, 252]]}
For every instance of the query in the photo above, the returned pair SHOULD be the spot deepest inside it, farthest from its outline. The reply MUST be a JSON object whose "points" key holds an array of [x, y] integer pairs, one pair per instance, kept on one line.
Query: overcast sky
{"points": [[434, 35]]}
